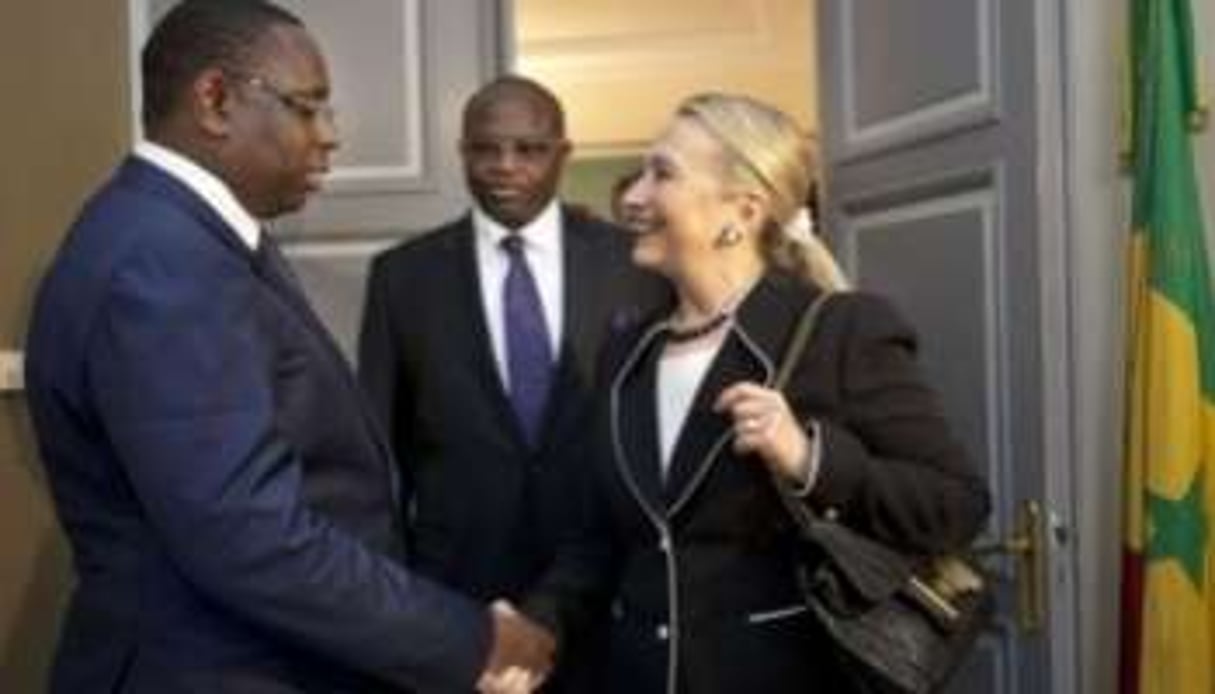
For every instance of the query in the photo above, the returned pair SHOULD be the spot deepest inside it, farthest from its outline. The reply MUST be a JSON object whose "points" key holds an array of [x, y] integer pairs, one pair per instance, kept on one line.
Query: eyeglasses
{"points": [[306, 107]]}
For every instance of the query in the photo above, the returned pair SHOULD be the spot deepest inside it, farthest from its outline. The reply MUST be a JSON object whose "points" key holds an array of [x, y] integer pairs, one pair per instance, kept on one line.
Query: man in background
{"points": [[478, 347], [229, 502]]}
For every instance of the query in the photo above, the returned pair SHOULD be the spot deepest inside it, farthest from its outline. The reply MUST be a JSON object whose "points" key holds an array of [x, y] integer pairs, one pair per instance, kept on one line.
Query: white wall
{"points": [[1099, 223]]}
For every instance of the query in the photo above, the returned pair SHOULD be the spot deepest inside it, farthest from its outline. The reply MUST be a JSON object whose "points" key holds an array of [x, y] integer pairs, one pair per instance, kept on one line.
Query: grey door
{"points": [[941, 138], [401, 70]]}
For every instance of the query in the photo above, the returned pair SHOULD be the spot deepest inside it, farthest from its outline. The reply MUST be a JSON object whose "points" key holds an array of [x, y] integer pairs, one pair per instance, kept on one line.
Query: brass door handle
{"points": [[1027, 546]]}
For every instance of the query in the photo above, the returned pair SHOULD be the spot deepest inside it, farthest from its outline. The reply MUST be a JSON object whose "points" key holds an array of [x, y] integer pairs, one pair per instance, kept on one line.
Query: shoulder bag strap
{"points": [[797, 344], [784, 371]]}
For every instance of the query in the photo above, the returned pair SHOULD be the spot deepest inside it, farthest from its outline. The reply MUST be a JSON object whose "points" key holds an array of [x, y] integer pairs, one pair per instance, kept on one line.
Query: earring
{"points": [[728, 236]]}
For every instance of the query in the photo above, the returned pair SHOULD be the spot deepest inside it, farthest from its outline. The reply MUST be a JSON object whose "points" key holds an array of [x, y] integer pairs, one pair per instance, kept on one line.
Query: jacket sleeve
{"points": [[890, 464], [573, 593], [183, 372]]}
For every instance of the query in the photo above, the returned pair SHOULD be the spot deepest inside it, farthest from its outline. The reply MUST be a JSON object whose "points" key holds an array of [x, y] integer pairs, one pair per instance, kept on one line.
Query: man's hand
{"points": [[521, 656]]}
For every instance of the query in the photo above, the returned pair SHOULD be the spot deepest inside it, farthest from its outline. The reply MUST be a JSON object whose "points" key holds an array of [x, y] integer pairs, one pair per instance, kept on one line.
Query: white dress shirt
{"points": [[543, 248], [207, 185]]}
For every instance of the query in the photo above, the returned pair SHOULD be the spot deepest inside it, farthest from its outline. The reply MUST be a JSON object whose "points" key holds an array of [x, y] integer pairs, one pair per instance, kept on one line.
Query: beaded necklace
{"points": [[680, 335]]}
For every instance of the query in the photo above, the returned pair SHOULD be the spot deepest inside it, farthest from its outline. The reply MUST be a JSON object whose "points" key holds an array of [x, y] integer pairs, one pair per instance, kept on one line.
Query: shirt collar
{"points": [[541, 234], [206, 185]]}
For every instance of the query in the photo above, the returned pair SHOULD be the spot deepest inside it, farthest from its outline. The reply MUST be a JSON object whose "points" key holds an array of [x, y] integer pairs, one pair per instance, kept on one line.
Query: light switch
{"points": [[12, 374]]}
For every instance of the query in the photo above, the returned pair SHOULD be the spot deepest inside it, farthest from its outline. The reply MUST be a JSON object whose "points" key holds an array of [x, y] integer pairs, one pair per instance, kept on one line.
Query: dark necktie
{"points": [[274, 267], [529, 354]]}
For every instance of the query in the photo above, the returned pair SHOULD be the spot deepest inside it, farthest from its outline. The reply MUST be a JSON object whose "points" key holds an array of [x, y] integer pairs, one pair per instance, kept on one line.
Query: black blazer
{"points": [[484, 509], [699, 568], [221, 479]]}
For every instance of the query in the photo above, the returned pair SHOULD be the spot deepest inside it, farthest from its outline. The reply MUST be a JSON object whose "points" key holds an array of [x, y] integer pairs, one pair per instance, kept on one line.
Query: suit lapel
{"points": [[270, 267], [584, 291], [473, 334], [633, 412], [705, 432], [273, 268]]}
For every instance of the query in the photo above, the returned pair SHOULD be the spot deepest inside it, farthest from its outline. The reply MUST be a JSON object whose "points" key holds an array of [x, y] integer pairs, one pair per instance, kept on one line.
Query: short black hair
{"points": [[515, 86], [196, 35]]}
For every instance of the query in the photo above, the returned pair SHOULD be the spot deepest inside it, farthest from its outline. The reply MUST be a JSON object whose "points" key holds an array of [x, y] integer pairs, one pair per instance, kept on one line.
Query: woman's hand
{"points": [[764, 425]]}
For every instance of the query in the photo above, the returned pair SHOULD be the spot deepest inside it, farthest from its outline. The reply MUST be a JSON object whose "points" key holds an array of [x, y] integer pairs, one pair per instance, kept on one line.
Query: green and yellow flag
{"points": [[1168, 592]]}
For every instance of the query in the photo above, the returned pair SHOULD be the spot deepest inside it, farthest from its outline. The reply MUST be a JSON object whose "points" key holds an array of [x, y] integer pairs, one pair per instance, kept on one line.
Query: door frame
{"points": [[1099, 222], [1056, 259]]}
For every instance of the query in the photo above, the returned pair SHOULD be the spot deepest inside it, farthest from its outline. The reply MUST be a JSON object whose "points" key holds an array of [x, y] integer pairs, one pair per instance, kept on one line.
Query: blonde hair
{"points": [[764, 149]]}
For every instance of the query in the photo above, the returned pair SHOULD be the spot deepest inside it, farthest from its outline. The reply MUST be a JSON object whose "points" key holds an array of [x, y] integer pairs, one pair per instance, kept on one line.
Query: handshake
{"points": [[521, 656]]}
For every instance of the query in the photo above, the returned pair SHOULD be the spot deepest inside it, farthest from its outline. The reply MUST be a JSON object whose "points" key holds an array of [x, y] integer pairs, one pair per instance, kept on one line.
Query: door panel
{"points": [[937, 142], [933, 60], [903, 249], [399, 88]]}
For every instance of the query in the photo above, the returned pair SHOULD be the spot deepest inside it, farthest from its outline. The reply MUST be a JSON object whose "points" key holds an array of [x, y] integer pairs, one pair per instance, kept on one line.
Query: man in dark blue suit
{"points": [[230, 504]]}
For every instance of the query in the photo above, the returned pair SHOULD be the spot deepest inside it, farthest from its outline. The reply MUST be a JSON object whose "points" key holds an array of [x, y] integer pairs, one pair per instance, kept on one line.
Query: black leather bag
{"points": [[900, 624]]}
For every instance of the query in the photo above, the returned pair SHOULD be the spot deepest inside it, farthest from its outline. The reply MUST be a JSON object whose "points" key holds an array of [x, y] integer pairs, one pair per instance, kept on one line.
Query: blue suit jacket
{"points": [[228, 500]]}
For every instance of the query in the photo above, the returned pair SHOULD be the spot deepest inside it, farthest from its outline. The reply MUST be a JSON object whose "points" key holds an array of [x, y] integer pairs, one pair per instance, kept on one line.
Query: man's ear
{"points": [[564, 147], [210, 101]]}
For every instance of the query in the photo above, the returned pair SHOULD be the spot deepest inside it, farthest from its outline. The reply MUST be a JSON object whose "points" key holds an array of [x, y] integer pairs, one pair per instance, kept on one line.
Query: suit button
{"points": [[662, 633], [831, 513], [664, 544]]}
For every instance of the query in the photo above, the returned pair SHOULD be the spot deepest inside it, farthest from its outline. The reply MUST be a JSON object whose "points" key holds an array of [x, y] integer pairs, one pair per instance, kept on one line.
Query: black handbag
{"points": [[900, 624]]}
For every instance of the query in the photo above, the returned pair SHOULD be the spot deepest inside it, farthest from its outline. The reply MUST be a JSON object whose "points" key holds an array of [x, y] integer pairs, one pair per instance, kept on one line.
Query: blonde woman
{"points": [[689, 544]]}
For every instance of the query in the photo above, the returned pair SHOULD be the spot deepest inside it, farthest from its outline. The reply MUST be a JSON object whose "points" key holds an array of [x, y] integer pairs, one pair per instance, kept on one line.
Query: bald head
{"points": [[516, 90]]}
